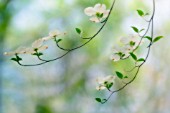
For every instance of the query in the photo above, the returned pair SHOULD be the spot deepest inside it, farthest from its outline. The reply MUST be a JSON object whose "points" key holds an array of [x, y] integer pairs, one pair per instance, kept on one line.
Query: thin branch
{"points": [[151, 21], [72, 49]]}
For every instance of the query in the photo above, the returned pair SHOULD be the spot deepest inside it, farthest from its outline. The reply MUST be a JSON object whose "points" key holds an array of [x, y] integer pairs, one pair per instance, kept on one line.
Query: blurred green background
{"points": [[68, 85]]}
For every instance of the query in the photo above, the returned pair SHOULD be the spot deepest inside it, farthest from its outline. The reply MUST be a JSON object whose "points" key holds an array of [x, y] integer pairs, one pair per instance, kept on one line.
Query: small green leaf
{"points": [[146, 14], [40, 54], [126, 77], [132, 43], [149, 38], [141, 30], [78, 30], [109, 85], [101, 15], [141, 60], [14, 59], [103, 100], [98, 100], [120, 75], [133, 56], [135, 29], [157, 38], [36, 54], [140, 12], [59, 40], [18, 58]]}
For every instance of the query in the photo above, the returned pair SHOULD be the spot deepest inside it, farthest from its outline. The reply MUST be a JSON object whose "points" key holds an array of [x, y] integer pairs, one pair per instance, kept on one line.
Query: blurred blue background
{"points": [[68, 85]]}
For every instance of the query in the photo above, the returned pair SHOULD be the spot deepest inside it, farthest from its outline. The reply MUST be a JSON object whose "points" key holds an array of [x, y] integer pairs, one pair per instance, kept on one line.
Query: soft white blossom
{"points": [[115, 57], [132, 41], [53, 34], [37, 43], [119, 52], [33, 50], [103, 81], [19, 50], [129, 44], [97, 13]]}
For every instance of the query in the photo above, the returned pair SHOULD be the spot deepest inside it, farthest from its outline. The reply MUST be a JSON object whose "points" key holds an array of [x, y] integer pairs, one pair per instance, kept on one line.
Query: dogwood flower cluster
{"points": [[129, 44], [105, 82], [97, 13], [37, 45]]}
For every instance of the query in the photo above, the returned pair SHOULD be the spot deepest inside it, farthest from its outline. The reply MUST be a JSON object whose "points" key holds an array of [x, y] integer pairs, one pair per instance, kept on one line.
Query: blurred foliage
{"points": [[68, 85]]}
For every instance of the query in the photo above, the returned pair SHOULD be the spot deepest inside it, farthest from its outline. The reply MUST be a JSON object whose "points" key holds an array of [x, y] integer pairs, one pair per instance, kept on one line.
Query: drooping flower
{"points": [[129, 45], [53, 34], [37, 46], [115, 57], [119, 53], [19, 50], [97, 13], [131, 41], [105, 82]]}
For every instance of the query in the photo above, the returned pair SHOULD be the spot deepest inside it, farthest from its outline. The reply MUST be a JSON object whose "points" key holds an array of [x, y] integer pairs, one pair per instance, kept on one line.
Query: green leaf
{"points": [[135, 29], [14, 59], [36, 54], [141, 30], [109, 85], [18, 58], [126, 77], [140, 12], [141, 60], [149, 38], [157, 38], [119, 74], [98, 100], [78, 30], [133, 56], [59, 40], [146, 14], [101, 15], [40, 54], [103, 100], [132, 43]]}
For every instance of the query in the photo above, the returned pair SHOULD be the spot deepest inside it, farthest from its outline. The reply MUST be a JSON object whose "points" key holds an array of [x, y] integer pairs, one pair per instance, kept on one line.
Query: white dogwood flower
{"points": [[53, 34], [115, 57], [37, 43], [97, 13], [132, 41], [104, 82], [34, 50], [119, 53], [19, 50]]}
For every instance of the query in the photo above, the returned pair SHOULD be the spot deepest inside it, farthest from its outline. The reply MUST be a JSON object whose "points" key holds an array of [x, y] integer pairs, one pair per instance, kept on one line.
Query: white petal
{"points": [[29, 51], [42, 48], [117, 49], [47, 38], [9, 53], [110, 78], [101, 8], [89, 11], [54, 33], [20, 50], [38, 43], [101, 87], [124, 40], [115, 57], [100, 80], [95, 19], [106, 13]]}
